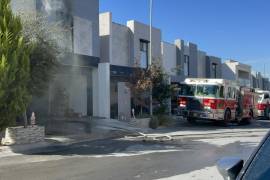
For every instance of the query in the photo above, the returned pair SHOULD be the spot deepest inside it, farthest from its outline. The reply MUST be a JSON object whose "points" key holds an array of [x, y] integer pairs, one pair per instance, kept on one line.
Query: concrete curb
{"points": [[170, 137]]}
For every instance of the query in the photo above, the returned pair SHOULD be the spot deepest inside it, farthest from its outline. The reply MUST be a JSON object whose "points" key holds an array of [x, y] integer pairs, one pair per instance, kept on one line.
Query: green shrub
{"points": [[154, 122], [164, 120]]}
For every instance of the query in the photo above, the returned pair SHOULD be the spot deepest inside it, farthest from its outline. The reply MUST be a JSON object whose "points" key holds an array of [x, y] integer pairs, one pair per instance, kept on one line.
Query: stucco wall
{"points": [[234, 70], [105, 31], [228, 71], [141, 31], [180, 45], [83, 36], [201, 64], [169, 59], [259, 79], [121, 45], [89, 10], [104, 90], [193, 60], [23, 6], [190, 50], [209, 71], [80, 17]]}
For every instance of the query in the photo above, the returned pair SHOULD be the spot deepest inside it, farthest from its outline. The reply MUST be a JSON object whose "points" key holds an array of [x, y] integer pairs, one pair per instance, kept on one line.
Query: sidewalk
{"points": [[102, 129], [109, 128]]}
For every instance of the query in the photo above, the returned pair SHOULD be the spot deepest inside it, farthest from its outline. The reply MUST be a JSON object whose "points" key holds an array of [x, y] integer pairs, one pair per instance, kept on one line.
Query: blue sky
{"points": [[237, 29]]}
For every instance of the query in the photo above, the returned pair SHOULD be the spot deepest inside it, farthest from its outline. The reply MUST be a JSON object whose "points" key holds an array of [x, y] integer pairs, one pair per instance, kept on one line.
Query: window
{"points": [[186, 65], [144, 49], [221, 92], [187, 90], [214, 69], [208, 91], [266, 96], [229, 94]]}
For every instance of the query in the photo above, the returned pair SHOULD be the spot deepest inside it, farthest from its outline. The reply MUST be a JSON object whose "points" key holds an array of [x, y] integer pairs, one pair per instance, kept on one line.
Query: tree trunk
{"points": [[151, 102], [25, 119]]}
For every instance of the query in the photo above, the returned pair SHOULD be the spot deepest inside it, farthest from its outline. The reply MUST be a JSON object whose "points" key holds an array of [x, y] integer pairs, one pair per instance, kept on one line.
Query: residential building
{"points": [[100, 55], [213, 67], [234, 70], [81, 86], [266, 84], [124, 47], [169, 60], [257, 80], [182, 60]]}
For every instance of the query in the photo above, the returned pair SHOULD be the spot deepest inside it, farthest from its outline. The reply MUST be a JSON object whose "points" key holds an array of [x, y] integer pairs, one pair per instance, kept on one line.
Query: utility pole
{"points": [[150, 55], [150, 49]]}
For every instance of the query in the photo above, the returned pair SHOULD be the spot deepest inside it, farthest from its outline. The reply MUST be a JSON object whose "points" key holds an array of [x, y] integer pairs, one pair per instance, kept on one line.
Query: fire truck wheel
{"points": [[247, 120], [267, 113], [250, 118], [227, 118]]}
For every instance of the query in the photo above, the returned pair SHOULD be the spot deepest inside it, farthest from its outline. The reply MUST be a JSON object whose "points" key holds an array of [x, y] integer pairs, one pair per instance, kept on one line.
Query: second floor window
{"points": [[186, 65], [214, 69], [144, 50]]}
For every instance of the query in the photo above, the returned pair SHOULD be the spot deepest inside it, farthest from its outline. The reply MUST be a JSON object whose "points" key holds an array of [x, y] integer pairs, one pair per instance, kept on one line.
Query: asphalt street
{"points": [[188, 157]]}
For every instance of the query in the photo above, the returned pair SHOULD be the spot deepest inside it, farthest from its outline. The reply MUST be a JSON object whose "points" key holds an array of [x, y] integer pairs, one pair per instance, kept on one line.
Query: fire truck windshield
{"points": [[207, 90], [187, 90], [201, 90]]}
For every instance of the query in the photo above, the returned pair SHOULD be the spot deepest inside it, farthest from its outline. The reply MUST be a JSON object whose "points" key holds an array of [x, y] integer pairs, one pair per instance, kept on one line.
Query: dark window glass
{"points": [[186, 65], [187, 90], [144, 50], [221, 92], [266, 96], [208, 90], [214, 69], [260, 166]]}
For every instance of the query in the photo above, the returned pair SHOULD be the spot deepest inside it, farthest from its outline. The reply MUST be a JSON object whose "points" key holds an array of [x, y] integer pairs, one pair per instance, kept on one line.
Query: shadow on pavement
{"points": [[121, 156]]}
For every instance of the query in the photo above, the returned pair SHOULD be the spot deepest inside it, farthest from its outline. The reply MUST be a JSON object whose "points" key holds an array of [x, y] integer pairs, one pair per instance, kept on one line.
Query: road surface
{"points": [[187, 157]]}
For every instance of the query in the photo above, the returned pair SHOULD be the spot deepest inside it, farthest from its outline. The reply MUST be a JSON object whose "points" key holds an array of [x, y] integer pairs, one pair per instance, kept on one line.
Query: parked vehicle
{"points": [[217, 100], [263, 106], [247, 103], [256, 167]]}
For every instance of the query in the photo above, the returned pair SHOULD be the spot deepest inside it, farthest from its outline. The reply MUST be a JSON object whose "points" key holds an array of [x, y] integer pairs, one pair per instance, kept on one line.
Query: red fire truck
{"points": [[217, 100], [263, 106]]}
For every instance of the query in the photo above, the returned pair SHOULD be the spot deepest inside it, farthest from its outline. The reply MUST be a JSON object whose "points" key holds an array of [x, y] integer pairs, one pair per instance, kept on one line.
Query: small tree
{"points": [[14, 67], [45, 53], [153, 77], [161, 89]]}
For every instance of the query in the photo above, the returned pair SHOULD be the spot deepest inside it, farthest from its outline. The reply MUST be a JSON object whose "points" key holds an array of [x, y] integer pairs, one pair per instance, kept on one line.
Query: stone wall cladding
{"points": [[21, 135]]}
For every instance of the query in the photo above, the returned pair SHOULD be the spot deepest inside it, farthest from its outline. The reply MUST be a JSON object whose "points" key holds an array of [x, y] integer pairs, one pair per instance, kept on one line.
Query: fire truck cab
{"points": [[214, 99]]}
